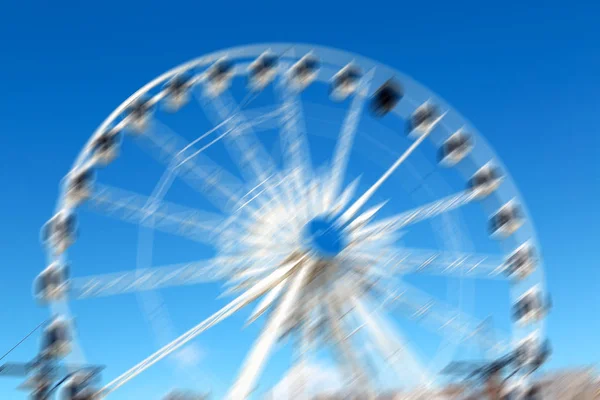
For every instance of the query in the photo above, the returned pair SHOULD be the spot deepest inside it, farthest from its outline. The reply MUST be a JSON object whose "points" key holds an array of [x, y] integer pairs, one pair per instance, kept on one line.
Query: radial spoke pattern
{"points": [[345, 140], [160, 277], [391, 260], [362, 200], [261, 349], [315, 257], [395, 353], [196, 225], [197, 170], [404, 219], [342, 343], [246, 149], [240, 302], [294, 142], [441, 317]]}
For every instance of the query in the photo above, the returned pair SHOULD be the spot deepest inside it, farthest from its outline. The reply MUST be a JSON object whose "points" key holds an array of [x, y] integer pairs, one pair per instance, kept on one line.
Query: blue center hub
{"points": [[324, 238]]}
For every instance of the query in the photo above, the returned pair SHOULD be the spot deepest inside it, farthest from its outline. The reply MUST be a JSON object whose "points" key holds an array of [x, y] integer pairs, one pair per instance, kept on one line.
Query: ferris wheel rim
{"points": [[255, 50]]}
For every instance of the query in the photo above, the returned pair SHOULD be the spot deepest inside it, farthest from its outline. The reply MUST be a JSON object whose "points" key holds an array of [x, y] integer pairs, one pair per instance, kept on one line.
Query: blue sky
{"points": [[526, 77]]}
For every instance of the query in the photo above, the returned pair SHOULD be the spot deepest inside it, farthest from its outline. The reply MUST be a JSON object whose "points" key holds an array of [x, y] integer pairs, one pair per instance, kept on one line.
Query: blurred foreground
{"points": [[572, 384]]}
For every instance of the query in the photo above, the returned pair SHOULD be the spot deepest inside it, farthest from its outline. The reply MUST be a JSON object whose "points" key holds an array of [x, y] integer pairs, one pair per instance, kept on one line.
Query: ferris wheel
{"points": [[317, 251]]}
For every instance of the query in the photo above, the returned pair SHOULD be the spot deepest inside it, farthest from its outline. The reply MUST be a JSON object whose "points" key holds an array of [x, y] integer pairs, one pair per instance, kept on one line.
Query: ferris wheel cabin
{"points": [[262, 71], [531, 354], [59, 232], [40, 385], [177, 92], [105, 148], [304, 72], [522, 262], [218, 77], [51, 284], [138, 115], [345, 82], [506, 220], [486, 180], [422, 119], [530, 307], [78, 387], [455, 148], [386, 98], [79, 186], [56, 340]]}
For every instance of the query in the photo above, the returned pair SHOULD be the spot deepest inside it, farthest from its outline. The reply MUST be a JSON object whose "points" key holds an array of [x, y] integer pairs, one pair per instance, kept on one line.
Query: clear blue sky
{"points": [[526, 76]]}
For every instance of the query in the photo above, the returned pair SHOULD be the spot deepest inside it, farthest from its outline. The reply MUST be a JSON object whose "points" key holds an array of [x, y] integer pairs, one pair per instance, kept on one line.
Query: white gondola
{"points": [[304, 72], [52, 283], [105, 147], [73, 386], [521, 262], [262, 71], [177, 92], [386, 98], [56, 342], [526, 349], [345, 82], [87, 394], [38, 381], [529, 307], [422, 119], [218, 77], [455, 148], [77, 387], [79, 186], [506, 220], [138, 115], [38, 385], [531, 353], [486, 180], [59, 232]]}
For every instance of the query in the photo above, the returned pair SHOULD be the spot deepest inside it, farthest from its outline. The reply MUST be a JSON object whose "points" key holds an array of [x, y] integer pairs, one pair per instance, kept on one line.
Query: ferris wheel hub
{"points": [[324, 237]]}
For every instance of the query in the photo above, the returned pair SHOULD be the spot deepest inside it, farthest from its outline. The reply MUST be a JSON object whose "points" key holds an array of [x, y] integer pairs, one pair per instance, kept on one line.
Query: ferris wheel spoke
{"points": [[441, 317], [342, 342], [404, 260], [245, 148], [154, 278], [268, 262], [362, 200], [379, 229], [197, 170], [362, 219], [302, 355], [258, 230], [294, 141], [342, 201], [234, 306], [346, 136], [251, 239], [218, 131], [393, 349], [254, 363], [197, 225], [266, 302], [231, 243]]}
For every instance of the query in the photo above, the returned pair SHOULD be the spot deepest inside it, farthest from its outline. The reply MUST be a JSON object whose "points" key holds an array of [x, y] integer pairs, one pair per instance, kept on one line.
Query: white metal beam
{"points": [[240, 302], [261, 349]]}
